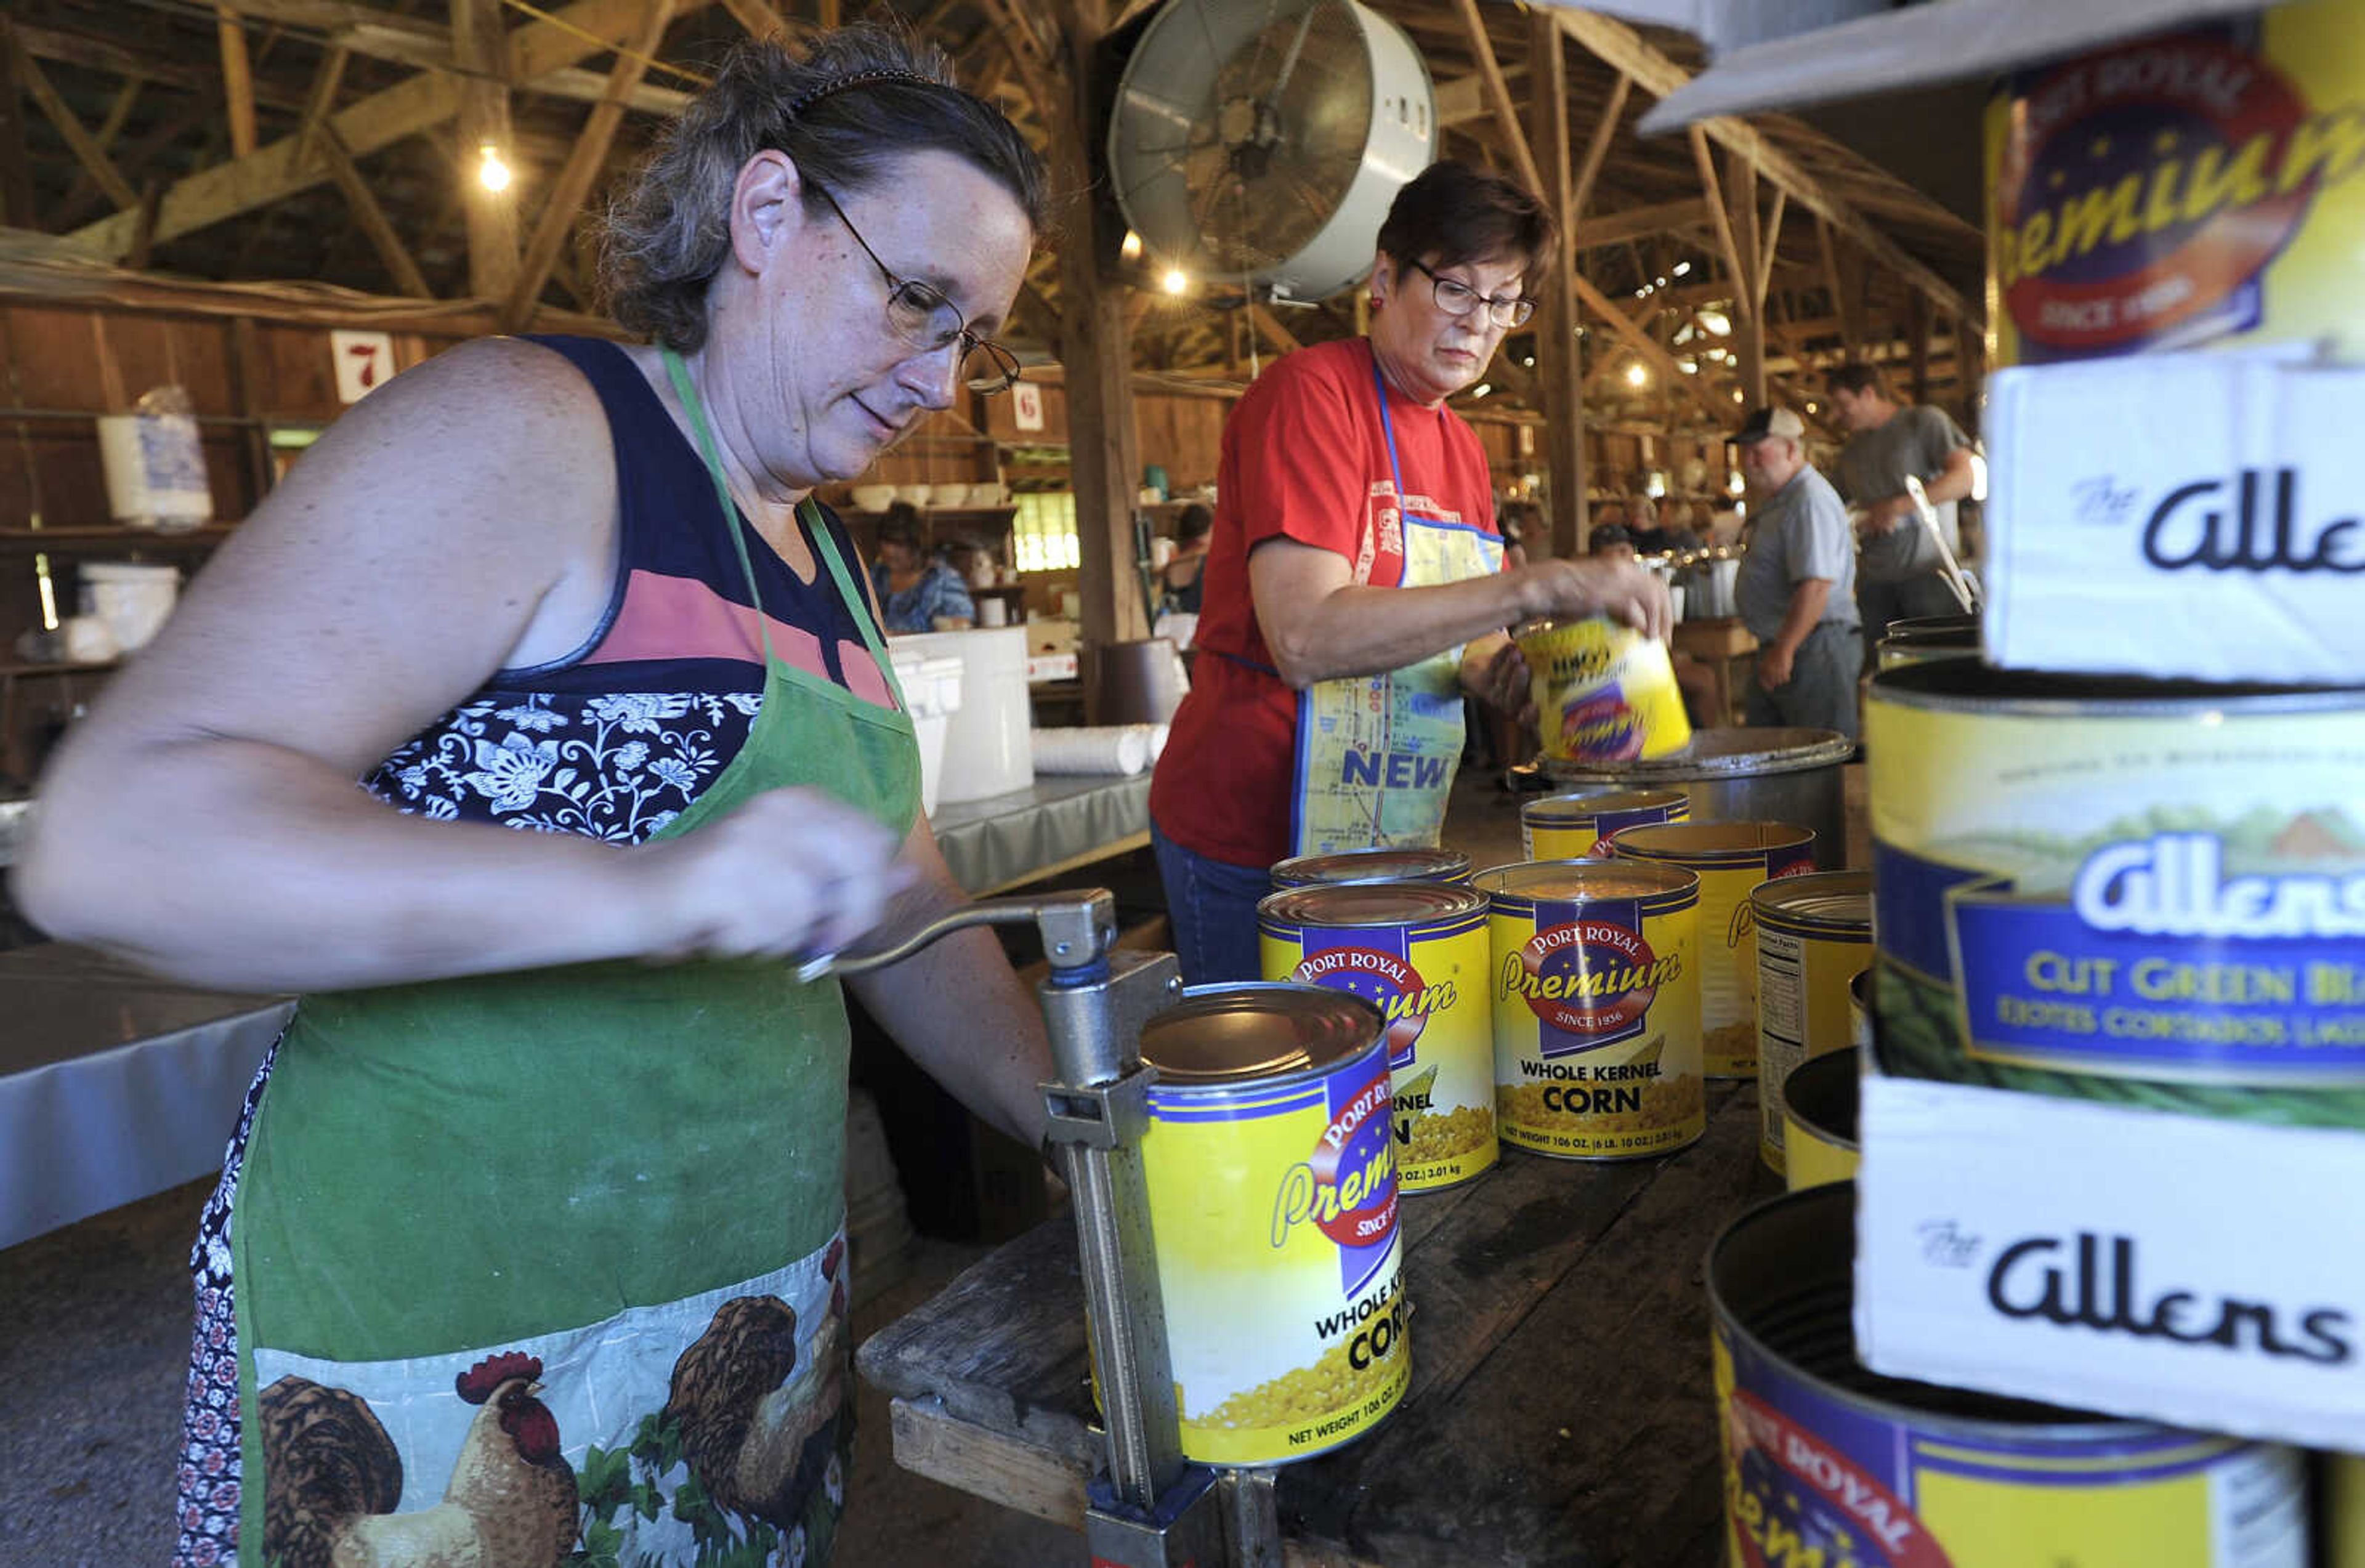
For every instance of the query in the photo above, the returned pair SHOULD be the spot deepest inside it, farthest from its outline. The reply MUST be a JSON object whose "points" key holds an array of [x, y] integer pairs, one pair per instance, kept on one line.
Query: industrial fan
{"points": [[1260, 141]]}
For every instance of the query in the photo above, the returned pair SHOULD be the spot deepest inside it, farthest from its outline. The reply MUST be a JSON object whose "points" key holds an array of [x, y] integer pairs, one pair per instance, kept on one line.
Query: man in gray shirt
{"points": [[1796, 590], [1900, 576]]}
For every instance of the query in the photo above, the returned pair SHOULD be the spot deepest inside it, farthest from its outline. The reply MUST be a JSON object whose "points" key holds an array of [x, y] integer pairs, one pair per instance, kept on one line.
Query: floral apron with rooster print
{"points": [[547, 1268]]}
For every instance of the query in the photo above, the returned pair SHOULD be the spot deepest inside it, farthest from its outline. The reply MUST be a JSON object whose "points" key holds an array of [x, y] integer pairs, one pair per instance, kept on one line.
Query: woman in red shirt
{"points": [[1355, 587]]}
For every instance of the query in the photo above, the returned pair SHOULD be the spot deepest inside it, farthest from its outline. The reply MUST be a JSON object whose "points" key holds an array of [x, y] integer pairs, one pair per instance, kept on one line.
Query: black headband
{"points": [[805, 100]]}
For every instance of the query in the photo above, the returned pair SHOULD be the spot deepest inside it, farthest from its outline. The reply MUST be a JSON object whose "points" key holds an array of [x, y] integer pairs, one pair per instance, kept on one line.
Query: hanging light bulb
{"points": [[491, 173], [1131, 249], [1637, 374], [1175, 281]]}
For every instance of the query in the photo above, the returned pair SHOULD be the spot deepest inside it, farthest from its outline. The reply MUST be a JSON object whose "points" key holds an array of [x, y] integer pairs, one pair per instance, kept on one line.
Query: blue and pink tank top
{"points": [[614, 740]]}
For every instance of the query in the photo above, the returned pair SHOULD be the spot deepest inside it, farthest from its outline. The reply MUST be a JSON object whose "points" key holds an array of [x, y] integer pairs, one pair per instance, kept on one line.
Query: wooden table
{"points": [[1559, 1410], [1724, 647]]}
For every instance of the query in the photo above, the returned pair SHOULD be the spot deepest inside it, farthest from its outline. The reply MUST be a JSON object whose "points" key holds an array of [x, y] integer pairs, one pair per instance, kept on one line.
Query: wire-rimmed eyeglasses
{"points": [[919, 313], [1458, 298]]}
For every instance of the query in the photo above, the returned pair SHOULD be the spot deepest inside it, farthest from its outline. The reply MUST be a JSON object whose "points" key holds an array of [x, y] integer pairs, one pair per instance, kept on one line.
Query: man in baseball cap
{"points": [[1796, 590]]}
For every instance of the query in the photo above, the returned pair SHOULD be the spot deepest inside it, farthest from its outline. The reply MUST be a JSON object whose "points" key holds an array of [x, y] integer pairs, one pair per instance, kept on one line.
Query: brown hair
{"points": [[1857, 379], [1452, 213], [861, 96], [902, 524]]}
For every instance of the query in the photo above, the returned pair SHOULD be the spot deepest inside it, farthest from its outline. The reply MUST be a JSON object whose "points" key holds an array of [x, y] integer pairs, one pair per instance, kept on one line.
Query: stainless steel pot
{"points": [[1746, 775]]}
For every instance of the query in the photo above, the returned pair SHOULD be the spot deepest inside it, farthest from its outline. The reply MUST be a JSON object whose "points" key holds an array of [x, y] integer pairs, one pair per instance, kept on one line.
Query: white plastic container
{"points": [[932, 690], [987, 750], [134, 600], [155, 471]]}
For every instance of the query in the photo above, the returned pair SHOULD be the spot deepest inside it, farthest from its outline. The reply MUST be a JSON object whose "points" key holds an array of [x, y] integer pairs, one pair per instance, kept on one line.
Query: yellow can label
{"points": [[1810, 1160], [1604, 692], [1728, 984], [1814, 1477], [1802, 1009], [1430, 984], [1585, 836], [2118, 893], [2186, 189], [1596, 1025], [1273, 1213]]}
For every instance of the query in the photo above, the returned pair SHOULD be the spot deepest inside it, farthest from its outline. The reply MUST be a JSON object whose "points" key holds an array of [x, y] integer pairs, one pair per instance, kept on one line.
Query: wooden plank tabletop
{"points": [[1560, 1411]]}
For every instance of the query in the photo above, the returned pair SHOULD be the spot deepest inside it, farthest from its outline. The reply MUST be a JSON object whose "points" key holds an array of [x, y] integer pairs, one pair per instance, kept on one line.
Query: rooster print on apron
{"points": [[1376, 754], [549, 1268]]}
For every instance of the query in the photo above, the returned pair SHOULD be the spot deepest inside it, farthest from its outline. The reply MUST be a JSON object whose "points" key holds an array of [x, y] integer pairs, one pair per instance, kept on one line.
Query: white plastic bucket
{"points": [[987, 749], [134, 600], [155, 471], [932, 688]]}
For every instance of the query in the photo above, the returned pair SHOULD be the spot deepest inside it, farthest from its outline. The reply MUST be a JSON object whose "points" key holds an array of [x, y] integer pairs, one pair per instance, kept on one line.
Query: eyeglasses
{"points": [[1460, 299], [919, 313]]}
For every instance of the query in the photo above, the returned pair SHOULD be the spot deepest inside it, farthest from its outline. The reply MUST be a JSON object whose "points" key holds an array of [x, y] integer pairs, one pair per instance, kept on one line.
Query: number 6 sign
{"points": [[364, 361]]}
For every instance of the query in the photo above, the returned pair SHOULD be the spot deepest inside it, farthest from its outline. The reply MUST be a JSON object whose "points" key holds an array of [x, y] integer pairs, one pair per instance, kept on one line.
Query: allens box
{"points": [[2197, 514], [2202, 1273]]}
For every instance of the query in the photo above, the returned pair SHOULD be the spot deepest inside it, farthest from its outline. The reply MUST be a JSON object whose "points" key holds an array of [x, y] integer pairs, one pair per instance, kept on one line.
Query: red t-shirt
{"points": [[1304, 455]]}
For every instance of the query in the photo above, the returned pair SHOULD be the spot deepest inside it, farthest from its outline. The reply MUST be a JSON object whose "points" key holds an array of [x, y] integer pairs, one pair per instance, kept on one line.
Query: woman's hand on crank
{"points": [[791, 872]]}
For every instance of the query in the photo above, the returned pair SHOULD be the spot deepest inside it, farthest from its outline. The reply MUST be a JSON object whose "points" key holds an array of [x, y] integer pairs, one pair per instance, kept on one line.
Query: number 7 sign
{"points": [[364, 361]]}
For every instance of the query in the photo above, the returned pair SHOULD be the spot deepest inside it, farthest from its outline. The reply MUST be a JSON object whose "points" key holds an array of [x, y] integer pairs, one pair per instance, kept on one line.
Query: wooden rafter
{"points": [[429, 99], [1498, 95], [1772, 247], [1626, 51], [88, 153], [371, 218], [1634, 222], [1643, 343], [318, 101], [238, 81], [1281, 337], [118, 112], [583, 166], [1597, 151], [1720, 220]]}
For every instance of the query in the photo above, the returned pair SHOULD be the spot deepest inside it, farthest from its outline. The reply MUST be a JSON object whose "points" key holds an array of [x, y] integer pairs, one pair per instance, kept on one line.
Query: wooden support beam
{"points": [[1097, 352], [61, 47], [535, 50], [1626, 51], [118, 111], [480, 46], [1771, 247], [372, 219], [1661, 362], [1597, 149], [1464, 98], [1019, 42], [1843, 300], [88, 153], [1918, 335], [1281, 337], [1636, 223], [1498, 94], [582, 167], [238, 81], [1749, 324], [756, 19], [1559, 378], [1719, 218], [320, 101], [16, 162]]}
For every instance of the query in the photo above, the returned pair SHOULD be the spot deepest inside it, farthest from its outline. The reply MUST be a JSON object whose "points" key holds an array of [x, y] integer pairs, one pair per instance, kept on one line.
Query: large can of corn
{"points": [[2123, 890], [1924, 638], [1730, 860], [1579, 824], [1604, 692], [1826, 1461], [1385, 864], [1596, 1007], [1819, 1118], [1272, 1177], [1814, 937], [1418, 952], [2186, 189], [2343, 1510]]}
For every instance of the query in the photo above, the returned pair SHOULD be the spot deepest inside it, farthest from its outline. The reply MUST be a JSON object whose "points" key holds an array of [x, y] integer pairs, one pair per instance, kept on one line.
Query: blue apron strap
{"points": [[1387, 429]]}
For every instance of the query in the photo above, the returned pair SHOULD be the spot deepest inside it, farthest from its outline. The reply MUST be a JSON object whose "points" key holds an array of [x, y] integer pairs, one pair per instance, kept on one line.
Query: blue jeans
{"points": [[1211, 906]]}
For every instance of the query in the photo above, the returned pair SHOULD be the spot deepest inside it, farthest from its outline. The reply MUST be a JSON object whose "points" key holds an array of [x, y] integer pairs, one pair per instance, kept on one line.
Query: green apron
{"points": [[631, 1173]]}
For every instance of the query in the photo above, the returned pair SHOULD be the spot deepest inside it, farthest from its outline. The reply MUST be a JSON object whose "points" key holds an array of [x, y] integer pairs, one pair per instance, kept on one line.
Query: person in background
{"points": [[1182, 583], [1354, 587], [1796, 588], [917, 593], [1611, 542], [1898, 574], [1515, 519], [530, 776]]}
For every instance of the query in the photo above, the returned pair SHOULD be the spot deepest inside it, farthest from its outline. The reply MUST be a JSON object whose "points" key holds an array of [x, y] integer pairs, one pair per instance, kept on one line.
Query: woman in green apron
{"points": [[1355, 590], [528, 1246]]}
